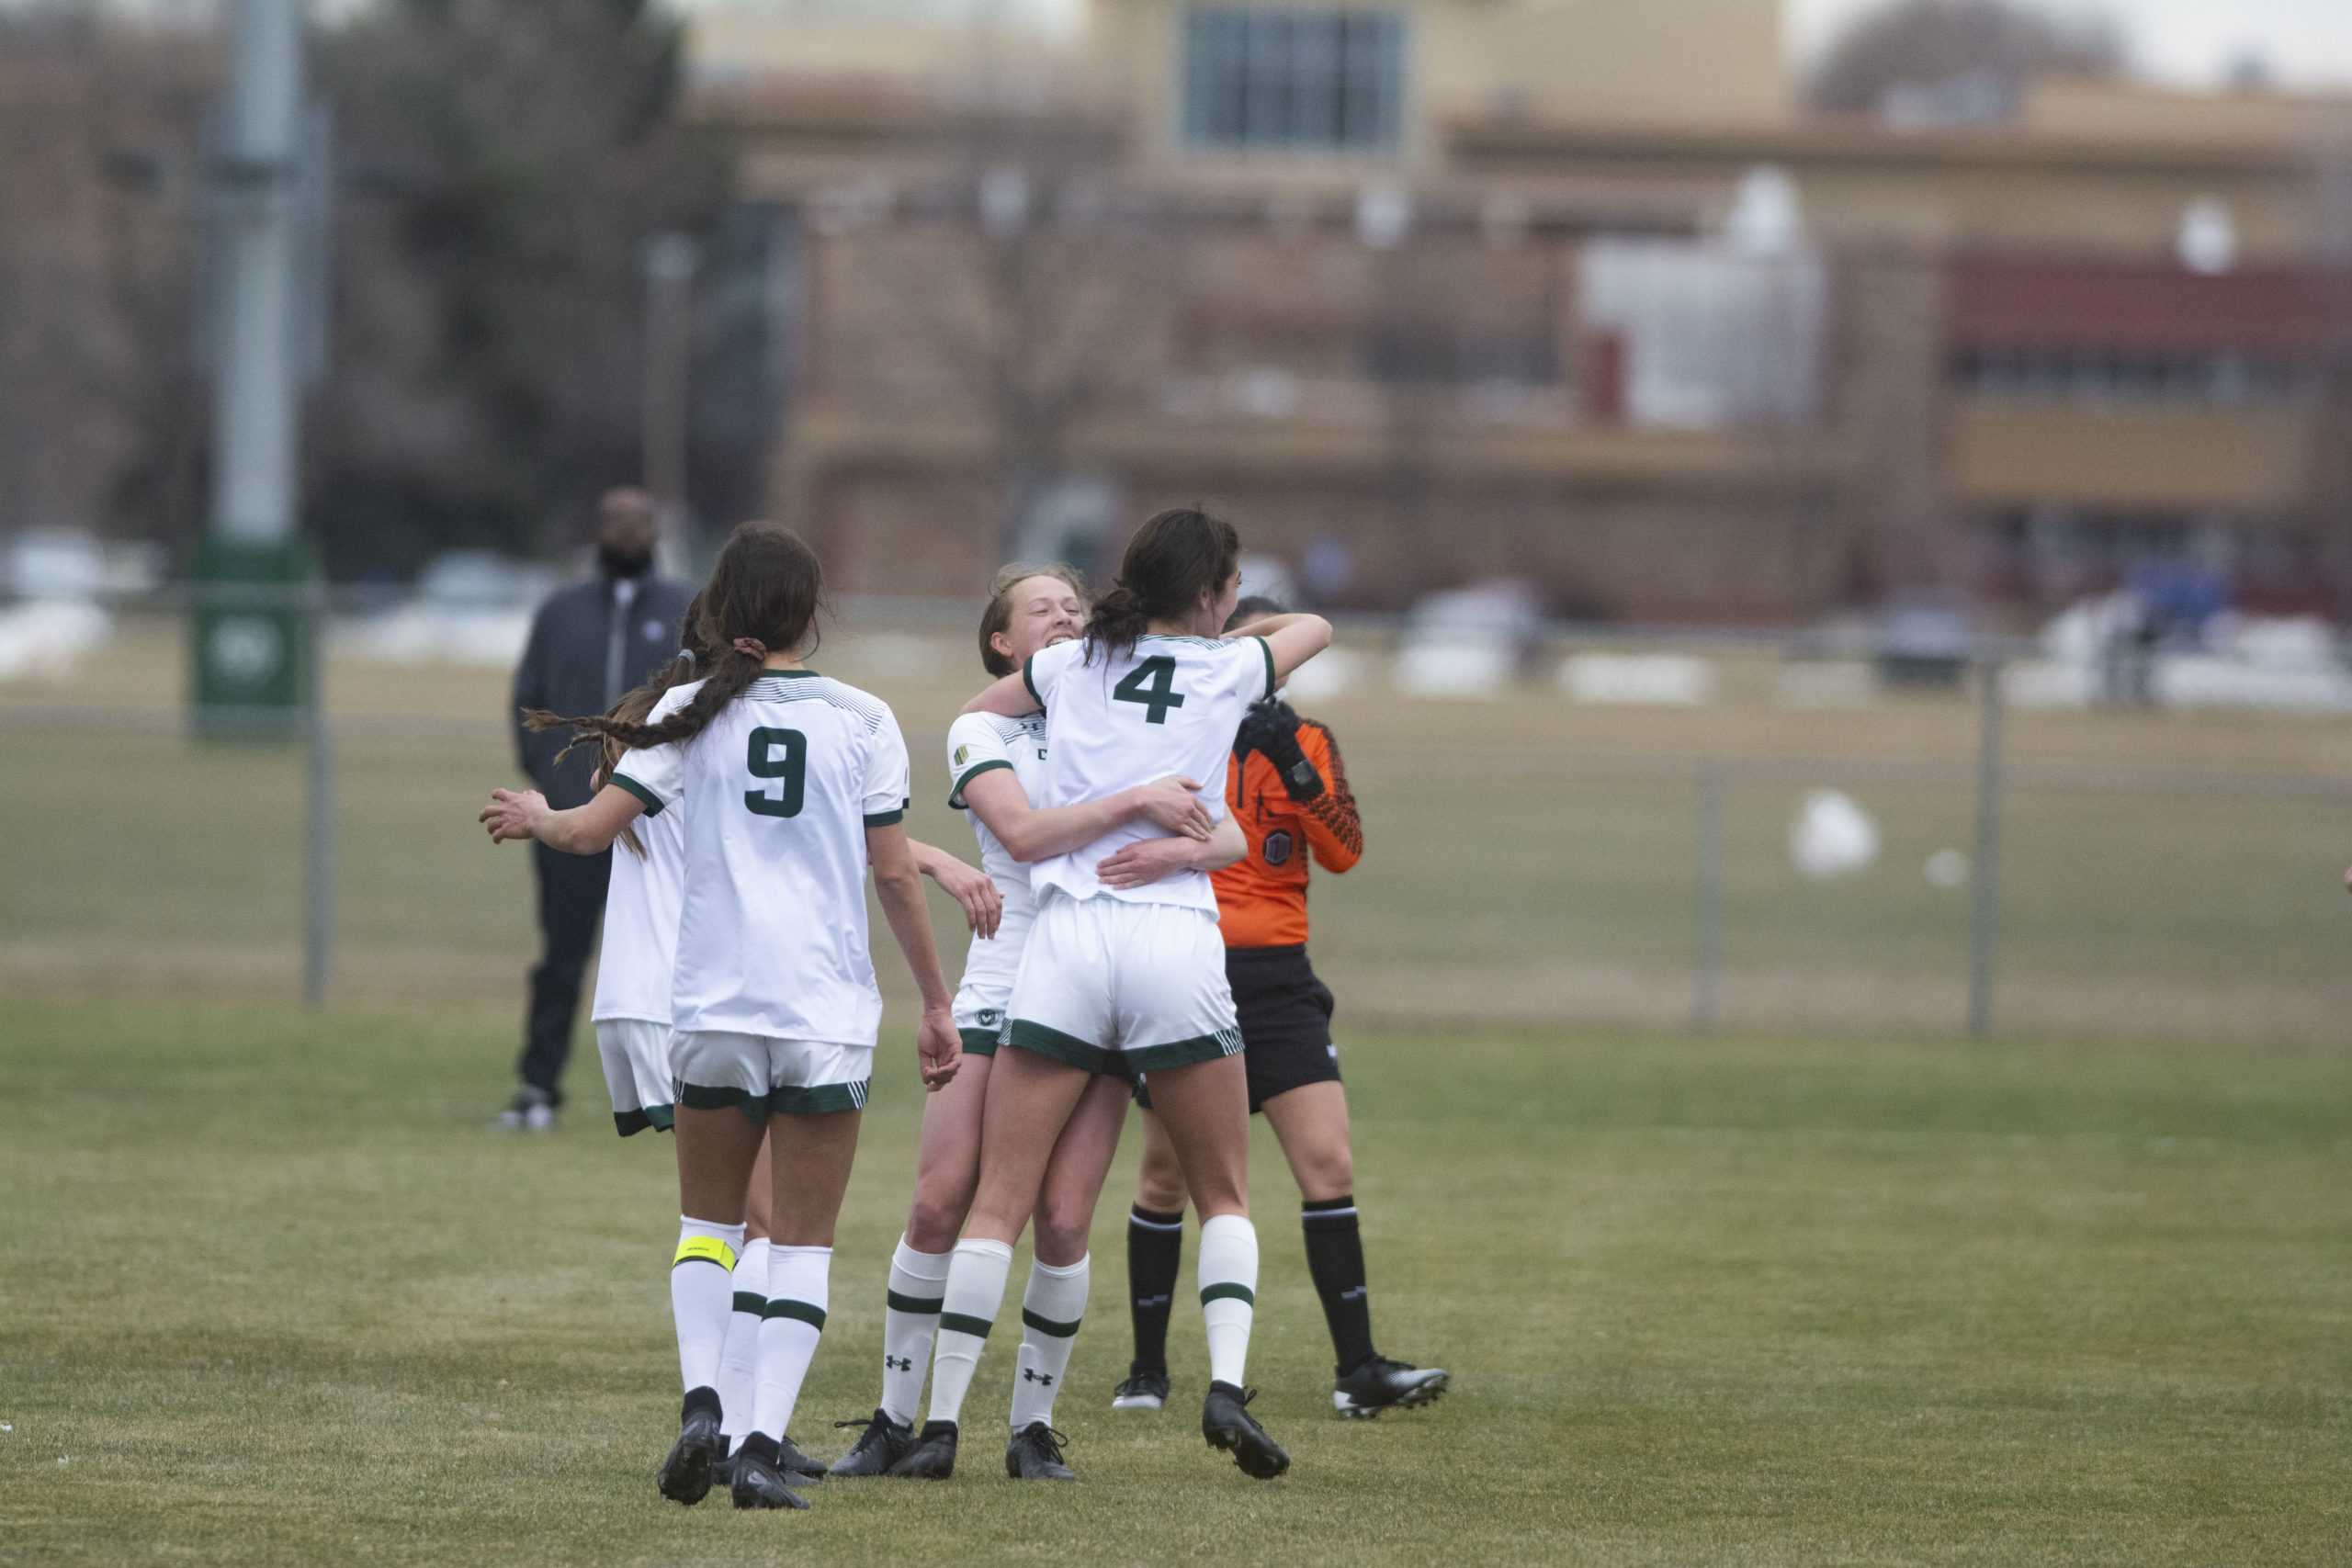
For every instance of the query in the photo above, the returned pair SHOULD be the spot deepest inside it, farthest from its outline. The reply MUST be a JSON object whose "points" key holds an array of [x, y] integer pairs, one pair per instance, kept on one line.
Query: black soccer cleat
{"points": [[797, 1466], [1377, 1383], [760, 1481], [933, 1457], [1145, 1388], [881, 1444], [1035, 1454], [685, 1475], [1228, 1425]]}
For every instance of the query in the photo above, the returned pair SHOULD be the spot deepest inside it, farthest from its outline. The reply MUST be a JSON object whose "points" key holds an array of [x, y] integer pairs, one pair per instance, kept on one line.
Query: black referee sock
{"points": [[1155, 1251], [1335, 1259]]}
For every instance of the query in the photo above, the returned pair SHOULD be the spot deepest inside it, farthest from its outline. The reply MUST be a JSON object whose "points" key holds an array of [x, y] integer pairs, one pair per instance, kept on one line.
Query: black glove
{"points": [[1271, 727]]}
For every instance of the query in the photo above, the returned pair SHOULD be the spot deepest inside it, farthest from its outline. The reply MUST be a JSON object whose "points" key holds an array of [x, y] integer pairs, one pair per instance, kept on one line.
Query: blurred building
{"points": [[1433, 290]]}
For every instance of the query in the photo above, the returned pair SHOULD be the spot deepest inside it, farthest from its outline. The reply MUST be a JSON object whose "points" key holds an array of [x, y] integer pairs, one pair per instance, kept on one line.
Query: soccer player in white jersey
{"points": [[793, 785], [1119, 980], [631, 1012], [995, 766]]}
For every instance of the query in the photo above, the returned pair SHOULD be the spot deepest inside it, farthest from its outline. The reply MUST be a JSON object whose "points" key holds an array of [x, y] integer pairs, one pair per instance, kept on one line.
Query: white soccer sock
{"points": [[910, 1318], [1228, 1277], [739, 1362], [702, 1287], [976, 1272], [799, 1284], [1050, 1312]]}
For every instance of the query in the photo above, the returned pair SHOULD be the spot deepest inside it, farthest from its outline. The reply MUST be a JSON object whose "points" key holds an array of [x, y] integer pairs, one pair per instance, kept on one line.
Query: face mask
{"points": [[621, 563]]}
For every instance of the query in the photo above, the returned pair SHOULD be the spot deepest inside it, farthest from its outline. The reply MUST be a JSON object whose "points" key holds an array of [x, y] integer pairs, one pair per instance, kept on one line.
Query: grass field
{"points": [[270, 1292]]}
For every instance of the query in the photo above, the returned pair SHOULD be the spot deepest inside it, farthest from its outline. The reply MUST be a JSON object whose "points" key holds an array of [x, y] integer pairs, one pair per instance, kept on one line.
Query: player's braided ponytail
{"points": [[764, 595], [1174, 558]]}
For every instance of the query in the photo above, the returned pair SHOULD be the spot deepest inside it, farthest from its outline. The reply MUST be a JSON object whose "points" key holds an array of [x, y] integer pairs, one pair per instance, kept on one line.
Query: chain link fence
{"points": [[1787, 843]]}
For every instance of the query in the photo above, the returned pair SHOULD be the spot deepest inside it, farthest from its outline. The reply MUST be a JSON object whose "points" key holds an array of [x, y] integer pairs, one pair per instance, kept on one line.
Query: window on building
{"points": [[1294, 79]]}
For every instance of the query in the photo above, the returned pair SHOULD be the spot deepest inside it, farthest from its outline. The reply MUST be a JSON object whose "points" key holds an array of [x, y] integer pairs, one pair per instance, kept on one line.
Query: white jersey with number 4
{"points": [[1166, 706], [778, 793], [980, 743]]}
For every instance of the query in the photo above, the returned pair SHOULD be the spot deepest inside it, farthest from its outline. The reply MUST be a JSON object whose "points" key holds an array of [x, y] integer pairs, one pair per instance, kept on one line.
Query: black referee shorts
{"points": [[1285, 1018]]}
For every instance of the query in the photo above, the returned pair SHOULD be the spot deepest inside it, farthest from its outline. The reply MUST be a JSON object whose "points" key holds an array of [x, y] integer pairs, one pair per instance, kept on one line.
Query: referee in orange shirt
{"points": [[1289, 791]]}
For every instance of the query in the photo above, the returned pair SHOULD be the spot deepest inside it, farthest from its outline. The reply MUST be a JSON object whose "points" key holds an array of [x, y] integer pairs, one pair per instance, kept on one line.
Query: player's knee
{"points": [[1327, 1171], [1062, 1224], [937, 1214]]}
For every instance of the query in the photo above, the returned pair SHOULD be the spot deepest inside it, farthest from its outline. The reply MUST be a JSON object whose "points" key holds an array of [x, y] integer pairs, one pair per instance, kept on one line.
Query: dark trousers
{"points": [[571, 900]]}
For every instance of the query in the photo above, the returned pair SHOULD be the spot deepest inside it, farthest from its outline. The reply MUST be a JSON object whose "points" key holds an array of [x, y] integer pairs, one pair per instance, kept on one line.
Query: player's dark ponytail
{"points": [[1174, 558], [763, 597]]}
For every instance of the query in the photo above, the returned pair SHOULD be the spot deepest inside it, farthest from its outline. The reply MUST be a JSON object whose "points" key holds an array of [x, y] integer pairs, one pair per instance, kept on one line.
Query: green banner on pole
{"points": [[250, 657]]}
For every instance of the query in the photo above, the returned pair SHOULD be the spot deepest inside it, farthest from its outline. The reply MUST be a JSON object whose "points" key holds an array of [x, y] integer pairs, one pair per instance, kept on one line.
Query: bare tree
{"points": [[2004, 44]]}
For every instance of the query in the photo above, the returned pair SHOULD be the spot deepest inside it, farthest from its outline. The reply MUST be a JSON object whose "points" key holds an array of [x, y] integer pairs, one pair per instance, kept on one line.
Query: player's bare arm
{"points": [[1293, 638], [967, 885], [582, 831], [1148, 861], [1029, 833], [898, 885]]}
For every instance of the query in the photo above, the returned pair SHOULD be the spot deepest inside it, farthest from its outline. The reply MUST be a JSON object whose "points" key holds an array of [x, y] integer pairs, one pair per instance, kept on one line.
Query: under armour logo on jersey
{"points": [[1278, 848], [1030, 1374], [898, 1363], [988, 1016]]}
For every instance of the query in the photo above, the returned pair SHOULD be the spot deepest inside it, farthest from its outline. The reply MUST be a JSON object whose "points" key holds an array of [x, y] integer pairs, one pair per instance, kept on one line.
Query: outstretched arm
{"points": [[1029, 833], [587, 829], [899, 887]]}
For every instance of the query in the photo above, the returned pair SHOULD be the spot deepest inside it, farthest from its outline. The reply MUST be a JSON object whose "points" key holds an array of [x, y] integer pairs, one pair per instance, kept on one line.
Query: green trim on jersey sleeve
{"points": [[1268, 649], [887, 819], [1030, 680], [652, 802], [955, 795]]}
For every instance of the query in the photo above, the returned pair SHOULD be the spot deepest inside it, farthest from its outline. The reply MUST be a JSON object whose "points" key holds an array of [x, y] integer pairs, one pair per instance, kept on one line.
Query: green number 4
{"points": [[1152, 684], [778, 754]]}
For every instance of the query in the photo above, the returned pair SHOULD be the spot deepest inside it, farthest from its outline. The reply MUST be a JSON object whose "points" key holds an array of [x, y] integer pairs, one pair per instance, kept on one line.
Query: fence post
{"points": [[1984, 909], [1707, 961], [318, 859]]}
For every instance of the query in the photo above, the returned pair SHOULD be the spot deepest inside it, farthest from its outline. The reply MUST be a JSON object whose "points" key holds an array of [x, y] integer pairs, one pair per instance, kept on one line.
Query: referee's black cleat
{"points": [[933, 1457], [881, 1444], [1035, 1454], [685, 1475], [1229, 1425], [1377, 1383], [1146, 1388], [760, 1480]]}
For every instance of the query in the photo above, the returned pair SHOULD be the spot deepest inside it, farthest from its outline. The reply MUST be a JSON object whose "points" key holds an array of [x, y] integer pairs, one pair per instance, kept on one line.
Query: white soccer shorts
{"points": [[764, 1076], [636, 1055], [1124, 988]]}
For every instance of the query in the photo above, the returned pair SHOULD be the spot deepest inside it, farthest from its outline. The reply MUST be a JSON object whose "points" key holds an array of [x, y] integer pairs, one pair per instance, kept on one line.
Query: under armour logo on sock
{"points": [[1153, 1300], [1030, 1374], [898, 1364], [1351, 1295]]}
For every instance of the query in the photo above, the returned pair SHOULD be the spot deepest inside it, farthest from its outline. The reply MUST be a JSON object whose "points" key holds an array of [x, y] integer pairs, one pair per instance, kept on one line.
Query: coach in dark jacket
{"points": [[589, 644]]}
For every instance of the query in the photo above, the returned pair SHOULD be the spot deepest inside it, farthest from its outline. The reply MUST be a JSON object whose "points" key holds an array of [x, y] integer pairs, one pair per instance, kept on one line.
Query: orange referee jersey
{"points": [[1261, 897]]}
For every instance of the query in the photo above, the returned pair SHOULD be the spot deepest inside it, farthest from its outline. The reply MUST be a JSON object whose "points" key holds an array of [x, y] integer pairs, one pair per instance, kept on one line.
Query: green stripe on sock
{"points": [[1047, 1326], [977, 1327], [812, 1315], [898, 1302], [746, 1302], [1241, 1294]]}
